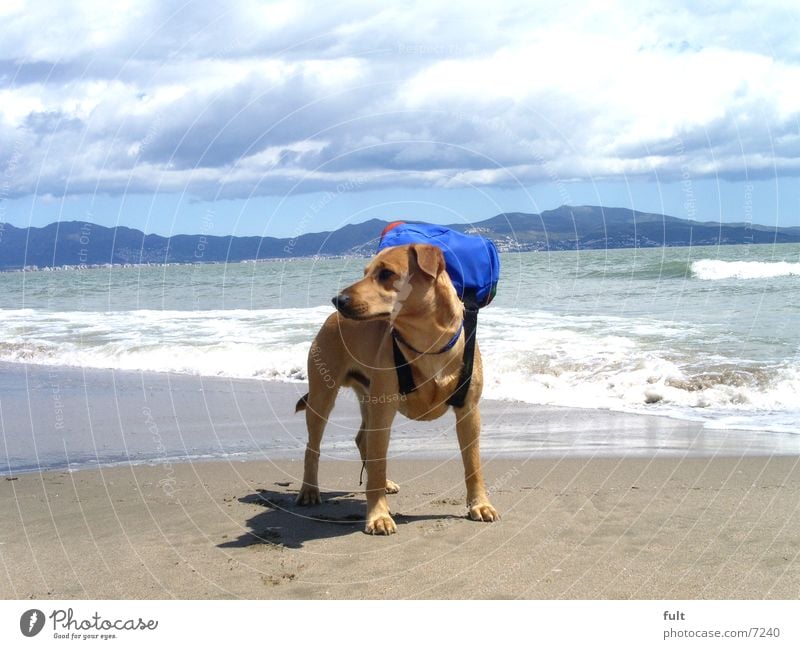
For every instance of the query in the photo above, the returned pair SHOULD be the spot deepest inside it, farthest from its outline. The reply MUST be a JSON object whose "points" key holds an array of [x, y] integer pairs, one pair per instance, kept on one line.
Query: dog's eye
{"points": [[385, 275]]}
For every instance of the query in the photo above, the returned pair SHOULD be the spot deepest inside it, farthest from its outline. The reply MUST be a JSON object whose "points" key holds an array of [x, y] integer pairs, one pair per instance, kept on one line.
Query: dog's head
{"points": [[398, 279]]}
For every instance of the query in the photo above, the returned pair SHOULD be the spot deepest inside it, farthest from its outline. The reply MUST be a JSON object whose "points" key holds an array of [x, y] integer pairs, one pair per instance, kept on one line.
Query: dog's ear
{"points": [[430, 259]]}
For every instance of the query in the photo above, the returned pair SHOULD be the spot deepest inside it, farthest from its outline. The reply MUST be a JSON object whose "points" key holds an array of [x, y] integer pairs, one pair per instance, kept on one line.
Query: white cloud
{"points": [[254, 97]]}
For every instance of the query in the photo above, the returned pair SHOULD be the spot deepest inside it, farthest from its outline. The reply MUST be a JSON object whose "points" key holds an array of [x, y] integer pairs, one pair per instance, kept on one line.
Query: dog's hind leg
{"points": [[316, 418], [318, 404], [361, 442]]}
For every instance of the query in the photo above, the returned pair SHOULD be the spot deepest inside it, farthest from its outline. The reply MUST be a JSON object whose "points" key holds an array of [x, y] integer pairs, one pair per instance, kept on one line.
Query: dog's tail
{"points": [[302, 403]]}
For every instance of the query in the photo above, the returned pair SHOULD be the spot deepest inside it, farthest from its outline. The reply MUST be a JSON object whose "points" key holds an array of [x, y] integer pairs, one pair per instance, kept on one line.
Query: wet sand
{"points": [[58, 417]]}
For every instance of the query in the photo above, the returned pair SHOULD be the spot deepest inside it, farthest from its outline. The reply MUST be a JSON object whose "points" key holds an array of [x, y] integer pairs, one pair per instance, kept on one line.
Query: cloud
{"points": [[254, 98]]}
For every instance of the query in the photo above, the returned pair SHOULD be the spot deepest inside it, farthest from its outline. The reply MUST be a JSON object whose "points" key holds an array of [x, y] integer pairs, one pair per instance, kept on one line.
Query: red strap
{"points": [[393, 224]]}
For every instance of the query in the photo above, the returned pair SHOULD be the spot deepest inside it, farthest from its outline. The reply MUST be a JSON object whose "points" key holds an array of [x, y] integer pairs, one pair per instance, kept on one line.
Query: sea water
{"points": [[709, 334]]}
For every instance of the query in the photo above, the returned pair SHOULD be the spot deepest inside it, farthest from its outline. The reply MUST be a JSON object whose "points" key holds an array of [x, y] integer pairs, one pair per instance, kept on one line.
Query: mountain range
{"points": [[76, 243]]}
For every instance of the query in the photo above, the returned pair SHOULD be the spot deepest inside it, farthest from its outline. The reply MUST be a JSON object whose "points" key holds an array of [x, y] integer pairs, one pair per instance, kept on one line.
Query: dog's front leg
{"points": [[468, 428], [379, 520]]}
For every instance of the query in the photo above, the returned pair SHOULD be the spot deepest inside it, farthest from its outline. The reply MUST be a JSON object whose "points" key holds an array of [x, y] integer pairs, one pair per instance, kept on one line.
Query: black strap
{"points": [[404, 376], [450, 343], [458, 397]]}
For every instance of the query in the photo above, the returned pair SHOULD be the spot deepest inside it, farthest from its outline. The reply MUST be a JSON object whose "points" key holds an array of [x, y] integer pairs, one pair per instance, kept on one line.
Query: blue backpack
{"points": [[472, 261], [473, 265]]}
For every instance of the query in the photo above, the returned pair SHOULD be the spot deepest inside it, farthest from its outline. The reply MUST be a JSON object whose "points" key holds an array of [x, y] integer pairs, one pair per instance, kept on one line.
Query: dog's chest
{"points": [[428, 401]]}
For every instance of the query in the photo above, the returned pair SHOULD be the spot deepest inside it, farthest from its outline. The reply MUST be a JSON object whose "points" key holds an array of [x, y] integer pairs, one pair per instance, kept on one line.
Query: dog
{"points": [[405, 289]]}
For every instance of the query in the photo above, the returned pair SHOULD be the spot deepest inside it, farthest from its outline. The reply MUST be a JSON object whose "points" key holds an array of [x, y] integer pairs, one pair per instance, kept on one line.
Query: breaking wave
{"points": [[625, 364], [713, 269]]}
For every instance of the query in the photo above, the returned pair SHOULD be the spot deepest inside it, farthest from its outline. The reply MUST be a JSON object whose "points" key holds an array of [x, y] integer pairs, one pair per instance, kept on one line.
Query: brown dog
{"points": [[405, 288]]}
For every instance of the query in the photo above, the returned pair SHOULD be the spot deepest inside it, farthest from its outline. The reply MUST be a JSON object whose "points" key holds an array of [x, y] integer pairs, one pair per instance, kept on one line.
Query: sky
{"points": [[277, 118]]}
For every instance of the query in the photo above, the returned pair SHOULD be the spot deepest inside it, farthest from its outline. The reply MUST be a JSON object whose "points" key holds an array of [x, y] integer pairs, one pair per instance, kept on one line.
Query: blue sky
{"points": [[277, 118]]}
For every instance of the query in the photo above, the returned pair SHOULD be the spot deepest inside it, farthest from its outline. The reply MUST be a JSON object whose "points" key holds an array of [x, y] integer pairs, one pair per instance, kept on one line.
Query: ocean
{"points": [[707, 334]]}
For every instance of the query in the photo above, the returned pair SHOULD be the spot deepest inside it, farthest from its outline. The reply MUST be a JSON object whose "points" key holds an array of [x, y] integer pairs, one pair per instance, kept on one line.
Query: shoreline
{"points": [[548, 247], [56, 418], [67, 268]]}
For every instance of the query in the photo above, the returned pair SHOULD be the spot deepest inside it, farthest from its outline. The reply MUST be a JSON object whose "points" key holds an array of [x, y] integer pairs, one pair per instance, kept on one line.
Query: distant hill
{"points": [[591, 227], [565, 228]]}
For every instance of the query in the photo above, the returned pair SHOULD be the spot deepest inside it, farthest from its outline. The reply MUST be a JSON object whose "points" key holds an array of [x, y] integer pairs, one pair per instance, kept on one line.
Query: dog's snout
{"points": [[341, 301]]}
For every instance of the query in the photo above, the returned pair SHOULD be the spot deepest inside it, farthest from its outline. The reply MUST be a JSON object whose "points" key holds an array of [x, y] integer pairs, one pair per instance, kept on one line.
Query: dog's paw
{"points": [[382, 524], [308, 496], [392, 487], [483, 512]]}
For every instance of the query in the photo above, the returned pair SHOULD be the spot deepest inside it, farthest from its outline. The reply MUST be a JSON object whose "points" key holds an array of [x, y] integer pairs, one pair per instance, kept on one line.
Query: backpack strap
{"points": [[405, 378], [458, 397]]}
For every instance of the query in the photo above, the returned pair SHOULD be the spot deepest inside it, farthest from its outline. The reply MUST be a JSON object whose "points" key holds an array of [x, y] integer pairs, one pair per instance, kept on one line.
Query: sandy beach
{"points": [[574, 528], [678, 512]]}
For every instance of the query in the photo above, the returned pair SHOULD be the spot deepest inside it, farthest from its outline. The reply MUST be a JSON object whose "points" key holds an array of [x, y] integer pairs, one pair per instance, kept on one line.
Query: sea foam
{"points": [[714, 269], [591, 361]]}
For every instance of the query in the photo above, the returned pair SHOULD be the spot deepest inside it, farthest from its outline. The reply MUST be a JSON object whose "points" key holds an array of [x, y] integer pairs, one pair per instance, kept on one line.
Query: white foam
{"points": [[621, 364], [625, 364], [714, 269], [270, 343]]}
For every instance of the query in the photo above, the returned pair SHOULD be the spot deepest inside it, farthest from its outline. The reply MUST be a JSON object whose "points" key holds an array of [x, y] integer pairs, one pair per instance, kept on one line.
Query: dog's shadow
{"points": [[283, 523]]}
